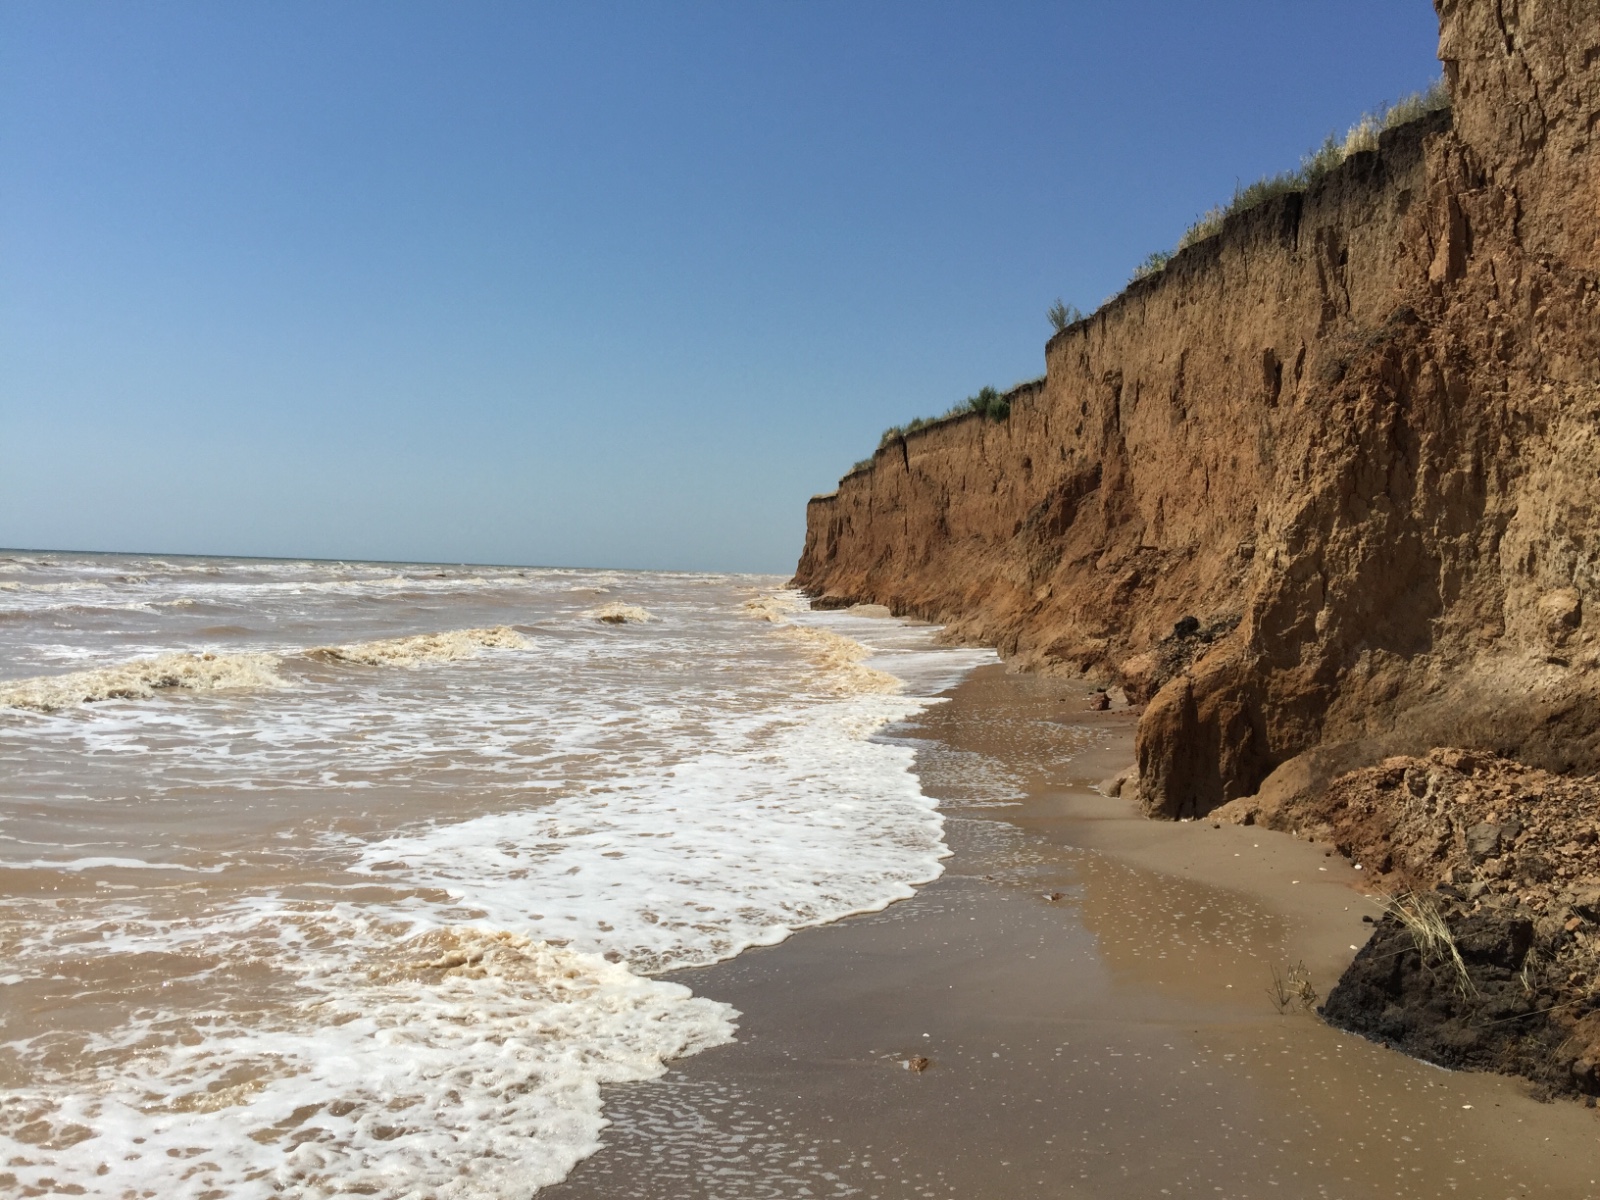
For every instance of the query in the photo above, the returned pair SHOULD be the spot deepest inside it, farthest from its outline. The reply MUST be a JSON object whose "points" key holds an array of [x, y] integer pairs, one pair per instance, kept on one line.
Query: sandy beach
{"points": [[1086, 994]]}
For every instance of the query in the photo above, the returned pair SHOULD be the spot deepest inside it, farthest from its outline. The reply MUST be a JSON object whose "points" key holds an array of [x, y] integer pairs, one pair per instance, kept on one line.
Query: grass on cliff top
{"points": [[1361, 136], [986, 402]]}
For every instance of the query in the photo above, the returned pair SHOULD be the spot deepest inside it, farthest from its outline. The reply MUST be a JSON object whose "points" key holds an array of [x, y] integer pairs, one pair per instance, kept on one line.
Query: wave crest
{"points": [[423, 647], [840, 659], [141, 679], [622, 614], [770, 608]]}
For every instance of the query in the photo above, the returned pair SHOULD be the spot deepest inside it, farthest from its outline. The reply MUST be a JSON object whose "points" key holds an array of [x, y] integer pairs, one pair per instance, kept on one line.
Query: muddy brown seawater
{"points": [[1094, 995], [333, 879]]}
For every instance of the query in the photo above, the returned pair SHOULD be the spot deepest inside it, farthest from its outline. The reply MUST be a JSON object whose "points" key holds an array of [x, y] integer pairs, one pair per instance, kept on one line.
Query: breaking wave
{"points": [[840, 660], [423, 647], [622, 614], [775, 608], [141, 679], [75, 585]]}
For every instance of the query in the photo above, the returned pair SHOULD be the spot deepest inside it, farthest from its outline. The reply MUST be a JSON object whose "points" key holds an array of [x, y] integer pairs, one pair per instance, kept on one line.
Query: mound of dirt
{"points": [[1507, 858], [1506, 1000]]}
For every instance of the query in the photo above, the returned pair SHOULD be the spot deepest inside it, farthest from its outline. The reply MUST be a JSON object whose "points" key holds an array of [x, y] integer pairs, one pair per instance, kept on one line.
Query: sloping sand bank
{"points": [[1090, 992]]}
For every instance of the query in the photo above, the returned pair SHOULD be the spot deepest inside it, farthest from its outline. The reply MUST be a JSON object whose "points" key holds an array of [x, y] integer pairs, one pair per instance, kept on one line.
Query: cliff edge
{"points": [[1355, 436]]}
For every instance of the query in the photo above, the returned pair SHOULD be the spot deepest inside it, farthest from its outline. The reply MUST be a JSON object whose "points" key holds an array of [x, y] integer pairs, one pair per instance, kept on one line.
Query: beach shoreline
{"points": [[1079, 1006]]}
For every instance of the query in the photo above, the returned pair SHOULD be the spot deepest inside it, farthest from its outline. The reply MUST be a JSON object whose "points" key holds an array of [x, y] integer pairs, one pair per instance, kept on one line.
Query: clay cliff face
{"points": [[1357, 435]]}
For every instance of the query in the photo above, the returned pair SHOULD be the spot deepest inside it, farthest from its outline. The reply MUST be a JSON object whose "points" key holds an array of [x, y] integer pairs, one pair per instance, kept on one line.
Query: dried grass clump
{"points": [[1431, 935], [1292, 990], [1154, 263]]}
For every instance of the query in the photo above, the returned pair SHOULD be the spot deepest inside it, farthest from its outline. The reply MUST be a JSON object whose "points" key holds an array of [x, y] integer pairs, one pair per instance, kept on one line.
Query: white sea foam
{"points": [[466, 1066], [471, 963], [789, 819], [141, 679], [840, 659], [423, 647], [785, 820], [99, 863]]}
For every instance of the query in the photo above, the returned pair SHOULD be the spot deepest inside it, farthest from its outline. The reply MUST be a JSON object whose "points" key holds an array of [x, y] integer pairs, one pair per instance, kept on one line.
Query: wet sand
{"points": [[1091, 993]]}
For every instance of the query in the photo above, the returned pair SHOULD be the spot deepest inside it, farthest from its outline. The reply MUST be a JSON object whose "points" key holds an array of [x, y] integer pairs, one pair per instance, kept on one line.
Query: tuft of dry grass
{"points": [[1154, 263], [1300, 983], [1292, 990], [1431, 935]]}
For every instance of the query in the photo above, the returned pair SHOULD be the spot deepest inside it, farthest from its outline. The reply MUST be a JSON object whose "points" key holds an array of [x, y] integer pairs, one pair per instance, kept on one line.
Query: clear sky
{"points": [[615, 284]]}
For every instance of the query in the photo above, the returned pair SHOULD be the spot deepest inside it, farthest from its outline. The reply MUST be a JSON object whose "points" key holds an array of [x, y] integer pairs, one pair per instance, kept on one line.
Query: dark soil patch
{"points": [[1510, 1012]]}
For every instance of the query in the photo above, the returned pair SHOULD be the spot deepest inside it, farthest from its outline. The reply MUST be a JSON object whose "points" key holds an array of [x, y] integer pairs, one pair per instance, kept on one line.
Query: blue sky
{"points": [[584, 284]]}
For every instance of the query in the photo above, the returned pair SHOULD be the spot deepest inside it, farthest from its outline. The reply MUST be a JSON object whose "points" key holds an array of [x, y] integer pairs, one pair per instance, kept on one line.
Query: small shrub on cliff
{"points": [[986, 399], [1061, 315], [987, 403]]}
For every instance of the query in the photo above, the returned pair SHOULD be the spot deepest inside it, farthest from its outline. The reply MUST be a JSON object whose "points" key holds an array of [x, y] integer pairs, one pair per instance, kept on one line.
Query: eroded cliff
{"points": [[1357, 435]]}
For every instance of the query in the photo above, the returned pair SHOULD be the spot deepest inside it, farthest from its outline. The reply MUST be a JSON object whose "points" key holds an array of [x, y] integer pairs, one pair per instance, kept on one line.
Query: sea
{"points": [[357, 879]]}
